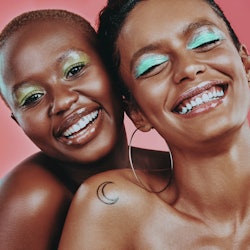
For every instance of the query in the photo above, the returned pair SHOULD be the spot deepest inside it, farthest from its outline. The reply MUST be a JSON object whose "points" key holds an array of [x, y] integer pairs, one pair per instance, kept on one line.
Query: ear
{"points": [[14, 118], [245, 57], [136, 115]]}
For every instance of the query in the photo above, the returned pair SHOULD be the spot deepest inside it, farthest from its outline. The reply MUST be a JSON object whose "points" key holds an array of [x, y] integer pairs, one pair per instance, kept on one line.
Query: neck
{"points": [[117, 158], [215, 181]]}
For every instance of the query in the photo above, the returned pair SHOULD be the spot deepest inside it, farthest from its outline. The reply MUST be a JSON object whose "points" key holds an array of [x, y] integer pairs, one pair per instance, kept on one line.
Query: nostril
{"points": [[183, 79], [199, 72], [189, 72], [63, 102]]}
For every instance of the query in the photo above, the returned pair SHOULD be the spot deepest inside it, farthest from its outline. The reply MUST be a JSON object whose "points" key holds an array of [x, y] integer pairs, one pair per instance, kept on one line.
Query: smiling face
{"points": [[183, 70], [59, 91]]}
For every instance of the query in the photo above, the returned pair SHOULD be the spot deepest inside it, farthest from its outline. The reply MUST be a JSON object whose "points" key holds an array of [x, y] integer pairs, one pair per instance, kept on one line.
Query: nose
{"points": [[187, 68], [63, 98]]}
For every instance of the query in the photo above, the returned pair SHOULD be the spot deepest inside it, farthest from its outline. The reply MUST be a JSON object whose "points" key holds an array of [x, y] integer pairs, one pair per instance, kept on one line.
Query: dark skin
{"points": [[207, 205], [44, 92]]}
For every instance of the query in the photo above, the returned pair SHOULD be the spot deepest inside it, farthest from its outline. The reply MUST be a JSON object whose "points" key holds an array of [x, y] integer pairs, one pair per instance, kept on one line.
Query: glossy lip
{"points": [[197, 91], [86, 133]]}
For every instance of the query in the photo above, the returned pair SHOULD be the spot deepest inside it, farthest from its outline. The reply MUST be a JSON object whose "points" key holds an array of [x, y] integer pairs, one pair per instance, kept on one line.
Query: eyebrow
{"points": [[146, 49], [66, 54], [58, 60], [196, 25], [185, 31]]}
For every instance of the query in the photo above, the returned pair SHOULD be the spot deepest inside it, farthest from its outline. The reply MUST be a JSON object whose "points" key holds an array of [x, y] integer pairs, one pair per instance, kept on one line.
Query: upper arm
{"points": [[32, 210], [98, 218]]}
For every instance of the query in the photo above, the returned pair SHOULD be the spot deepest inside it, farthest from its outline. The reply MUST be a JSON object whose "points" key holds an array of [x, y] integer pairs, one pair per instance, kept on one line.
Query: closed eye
{"points": [[205, 39], [150, 65], [207, 43]]}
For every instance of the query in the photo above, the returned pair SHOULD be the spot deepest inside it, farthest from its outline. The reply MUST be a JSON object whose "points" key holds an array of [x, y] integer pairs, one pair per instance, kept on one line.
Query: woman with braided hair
{"points": [[184, 72]]}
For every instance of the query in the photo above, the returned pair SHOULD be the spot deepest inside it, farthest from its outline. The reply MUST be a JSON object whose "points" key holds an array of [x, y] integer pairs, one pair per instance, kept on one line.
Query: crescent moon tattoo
{"points": [[102, 196]]}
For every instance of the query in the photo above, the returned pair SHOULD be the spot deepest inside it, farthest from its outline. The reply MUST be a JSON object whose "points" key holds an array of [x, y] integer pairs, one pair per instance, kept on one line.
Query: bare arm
{"points": [[33, 207]]}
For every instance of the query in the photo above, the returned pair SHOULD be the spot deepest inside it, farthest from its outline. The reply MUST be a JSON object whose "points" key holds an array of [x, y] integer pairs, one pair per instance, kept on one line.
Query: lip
{"points": [[203, 97], [80, 126]]}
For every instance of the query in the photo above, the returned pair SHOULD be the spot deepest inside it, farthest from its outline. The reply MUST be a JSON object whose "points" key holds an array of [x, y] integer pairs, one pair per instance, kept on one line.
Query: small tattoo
{"points": [[102, 196]]}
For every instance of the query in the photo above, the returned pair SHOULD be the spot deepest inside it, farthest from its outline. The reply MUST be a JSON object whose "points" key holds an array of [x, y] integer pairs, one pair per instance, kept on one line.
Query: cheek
{"points": [[242, 89], [153, 105], [34, 125], [227, 60], [105, 95], [153, 95], [96, 84]]}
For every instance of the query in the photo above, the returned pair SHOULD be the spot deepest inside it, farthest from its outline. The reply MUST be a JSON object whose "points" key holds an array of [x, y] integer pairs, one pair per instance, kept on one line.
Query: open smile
{"points": [[79, 127], [72, 131], [197, 98]]}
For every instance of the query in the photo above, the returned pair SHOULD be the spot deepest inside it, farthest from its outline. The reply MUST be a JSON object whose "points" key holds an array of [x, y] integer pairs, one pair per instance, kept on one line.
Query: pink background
{"points": [[14, 145]]}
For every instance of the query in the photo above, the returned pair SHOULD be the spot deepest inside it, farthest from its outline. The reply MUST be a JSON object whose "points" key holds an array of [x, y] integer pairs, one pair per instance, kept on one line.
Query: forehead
{"points": [[181, 9], [44, 33], [154, 23], [43, 41], [151, 16]]}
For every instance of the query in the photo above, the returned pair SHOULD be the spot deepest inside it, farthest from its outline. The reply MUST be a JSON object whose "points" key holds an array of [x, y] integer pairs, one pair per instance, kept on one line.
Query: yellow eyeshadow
{"points": [[75, 58], [24, 92]]}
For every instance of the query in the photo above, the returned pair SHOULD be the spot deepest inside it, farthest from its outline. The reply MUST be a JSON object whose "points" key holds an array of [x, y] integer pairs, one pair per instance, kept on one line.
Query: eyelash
{"points": [[74, 70], [31, 98], [208, 43], [152, 64], [204, 41]]}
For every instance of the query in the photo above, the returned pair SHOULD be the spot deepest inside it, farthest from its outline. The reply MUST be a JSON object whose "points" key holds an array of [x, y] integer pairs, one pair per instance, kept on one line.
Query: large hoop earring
{"points": [[137, 177]]}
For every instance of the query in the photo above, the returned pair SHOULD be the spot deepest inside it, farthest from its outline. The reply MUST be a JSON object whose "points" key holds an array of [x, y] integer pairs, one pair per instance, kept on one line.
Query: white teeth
{"points": [[206, 97], [183, 111], [220, 93], [76, 127], [82, 123], [210, 95], [189, 106], [193, 103], [198, 101]]}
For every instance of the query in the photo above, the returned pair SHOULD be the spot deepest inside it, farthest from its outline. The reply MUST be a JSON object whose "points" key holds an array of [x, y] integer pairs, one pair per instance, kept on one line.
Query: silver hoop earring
{"points": [[137, 177]]}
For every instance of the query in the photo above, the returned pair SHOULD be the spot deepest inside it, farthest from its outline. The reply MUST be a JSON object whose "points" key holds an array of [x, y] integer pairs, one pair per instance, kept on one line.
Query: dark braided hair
{"points": [[111, 20]]}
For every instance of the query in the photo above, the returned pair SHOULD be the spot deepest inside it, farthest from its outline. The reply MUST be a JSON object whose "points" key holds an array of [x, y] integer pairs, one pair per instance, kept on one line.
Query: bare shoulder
{"points": [[119, 189], [112, 204], [32, 200], [115, 188], [30, 176]]}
